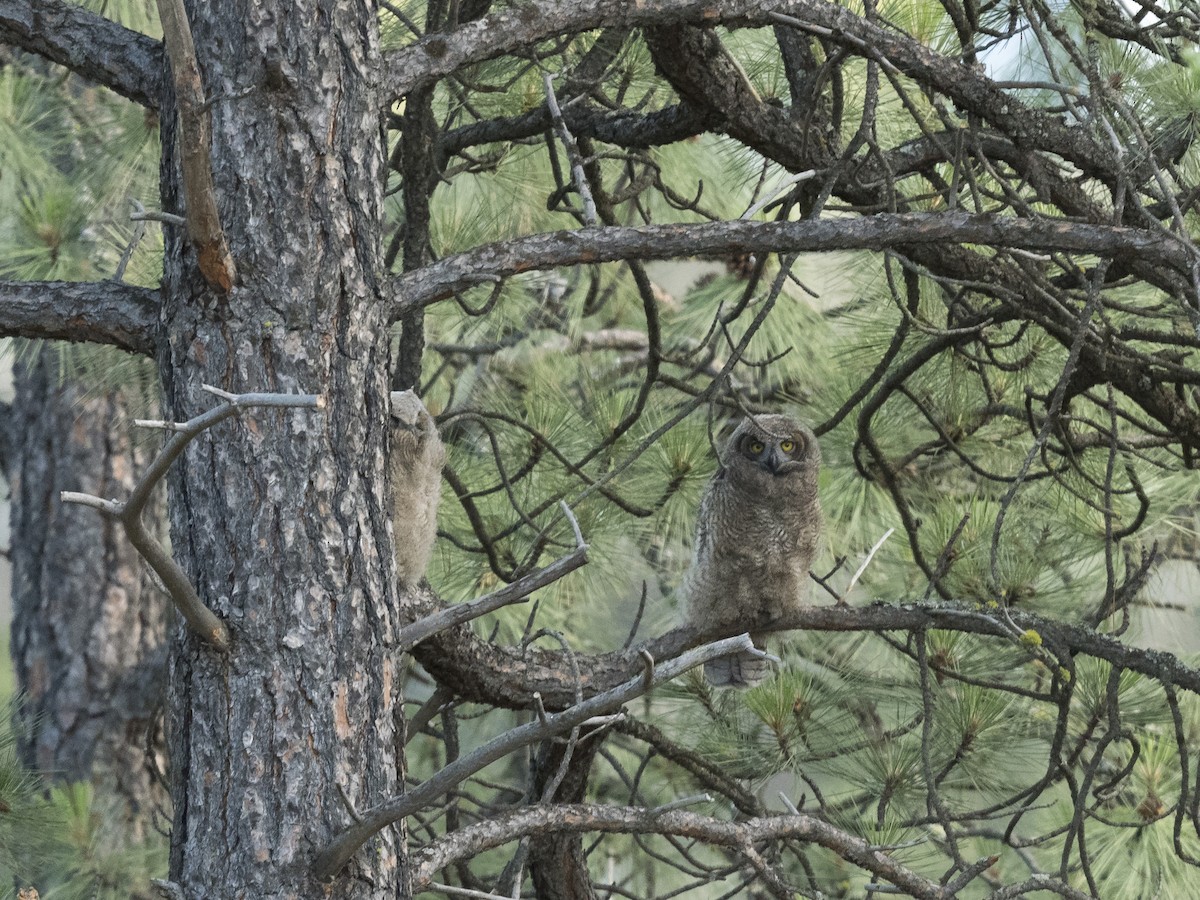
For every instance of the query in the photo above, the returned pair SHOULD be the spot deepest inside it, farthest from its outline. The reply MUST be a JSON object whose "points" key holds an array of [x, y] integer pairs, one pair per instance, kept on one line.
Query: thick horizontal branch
{"points": [[455, 274], [511, 28], [345, 845], [556, 819], [502, 676], [103, 312], [90, 45]]}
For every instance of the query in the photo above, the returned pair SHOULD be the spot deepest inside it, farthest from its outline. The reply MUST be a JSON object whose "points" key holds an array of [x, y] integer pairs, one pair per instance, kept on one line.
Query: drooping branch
{"points": [[195, 133], [128, 513], [102, 312], [457, 273], [90, 45], [345, 845]]}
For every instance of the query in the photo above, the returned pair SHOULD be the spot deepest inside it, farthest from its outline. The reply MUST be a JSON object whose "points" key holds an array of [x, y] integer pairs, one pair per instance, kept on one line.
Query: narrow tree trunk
{"points": [[89, 627], [557, 863], [278, 517]]}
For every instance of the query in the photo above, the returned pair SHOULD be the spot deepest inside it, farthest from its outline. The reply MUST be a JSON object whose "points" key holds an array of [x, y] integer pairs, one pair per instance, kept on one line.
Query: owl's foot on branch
{"points": [[741, 670]]}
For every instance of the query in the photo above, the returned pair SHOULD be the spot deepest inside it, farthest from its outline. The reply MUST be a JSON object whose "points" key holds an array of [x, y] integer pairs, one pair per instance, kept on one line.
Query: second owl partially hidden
{"points": [[417, 456], [758, 531]]}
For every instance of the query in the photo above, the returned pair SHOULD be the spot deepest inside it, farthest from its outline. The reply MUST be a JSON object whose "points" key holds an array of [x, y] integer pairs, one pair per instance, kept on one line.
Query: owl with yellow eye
{"points": [[757, 533]]}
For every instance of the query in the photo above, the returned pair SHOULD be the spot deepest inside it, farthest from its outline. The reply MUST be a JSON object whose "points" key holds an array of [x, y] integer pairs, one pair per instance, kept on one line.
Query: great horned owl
{"points": [[757, 534], [416, 476]]}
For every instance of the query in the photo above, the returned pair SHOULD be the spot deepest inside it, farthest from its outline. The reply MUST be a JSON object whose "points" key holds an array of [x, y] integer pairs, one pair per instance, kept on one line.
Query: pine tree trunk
{"points": [[89, 627], [278, 517]]}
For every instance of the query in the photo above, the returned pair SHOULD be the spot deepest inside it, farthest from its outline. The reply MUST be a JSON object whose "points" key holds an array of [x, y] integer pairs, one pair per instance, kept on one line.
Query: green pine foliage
{"points": [[531, 380]]}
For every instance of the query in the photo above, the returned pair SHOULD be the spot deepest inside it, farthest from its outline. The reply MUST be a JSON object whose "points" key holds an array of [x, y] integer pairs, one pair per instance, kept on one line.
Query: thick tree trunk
{"points": [[89, 627], [279, 517]]}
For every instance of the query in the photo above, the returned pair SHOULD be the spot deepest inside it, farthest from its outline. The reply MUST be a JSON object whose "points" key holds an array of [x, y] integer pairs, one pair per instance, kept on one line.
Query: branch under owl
{"points": [[479, 671]]}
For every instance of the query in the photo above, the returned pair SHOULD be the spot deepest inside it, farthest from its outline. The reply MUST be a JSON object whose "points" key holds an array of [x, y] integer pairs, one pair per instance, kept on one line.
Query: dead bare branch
{"points": [[195, 136], [330, 860], [128, 513]]}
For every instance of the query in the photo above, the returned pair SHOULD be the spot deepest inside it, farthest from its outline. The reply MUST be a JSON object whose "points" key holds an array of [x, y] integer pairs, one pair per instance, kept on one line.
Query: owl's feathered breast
{"points": [[756, 538]]}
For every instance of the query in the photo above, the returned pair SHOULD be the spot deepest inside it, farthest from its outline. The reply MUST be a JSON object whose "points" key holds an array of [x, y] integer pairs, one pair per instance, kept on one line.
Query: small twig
{"points": [[866, 562], [159, 423], [942, 566], [568, 141], [783, 186], [970, 873], [517, 592], [348, 803], [637, 619], [465, 892], [540, 708], [219, 392], [580, 544], [199, 617], [424, 715], [648, 662], [153, 215], [791, 807], [139, 232], [823, 580], [681, 803]]}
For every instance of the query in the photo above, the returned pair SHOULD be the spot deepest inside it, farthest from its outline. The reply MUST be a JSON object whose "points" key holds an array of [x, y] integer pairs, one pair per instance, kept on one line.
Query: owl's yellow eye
{"points": [[787, 446], [756, 446]]}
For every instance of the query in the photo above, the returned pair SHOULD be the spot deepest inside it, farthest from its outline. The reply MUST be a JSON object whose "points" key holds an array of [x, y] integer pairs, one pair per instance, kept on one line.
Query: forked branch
{"points": [[330, 861], [128, 513], [517, 592]]}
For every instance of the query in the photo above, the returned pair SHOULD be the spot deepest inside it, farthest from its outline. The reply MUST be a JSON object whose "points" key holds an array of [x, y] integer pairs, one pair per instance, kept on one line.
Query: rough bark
{"points": [[89, 625], [104, 312], [90, 45], [278, 516]]}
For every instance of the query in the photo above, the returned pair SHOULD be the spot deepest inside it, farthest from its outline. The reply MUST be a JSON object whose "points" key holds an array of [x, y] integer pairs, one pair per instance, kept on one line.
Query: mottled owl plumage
{"points": [[756, 535], [415, 465]]}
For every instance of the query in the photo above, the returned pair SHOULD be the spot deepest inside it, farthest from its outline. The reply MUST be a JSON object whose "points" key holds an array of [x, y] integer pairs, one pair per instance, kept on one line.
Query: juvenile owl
{"points": [[416, 475], [757, 534]]}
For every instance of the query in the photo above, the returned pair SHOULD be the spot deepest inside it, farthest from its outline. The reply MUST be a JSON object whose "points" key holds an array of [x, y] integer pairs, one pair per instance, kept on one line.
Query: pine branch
{"points": [[89, 45], [557, 818], [101, 312], [455, 274], [345, 845], [481, 672]]}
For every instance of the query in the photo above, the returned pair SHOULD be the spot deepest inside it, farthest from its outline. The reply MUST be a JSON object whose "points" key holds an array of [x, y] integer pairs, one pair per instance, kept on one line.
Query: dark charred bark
{"points": [[89, 625]]}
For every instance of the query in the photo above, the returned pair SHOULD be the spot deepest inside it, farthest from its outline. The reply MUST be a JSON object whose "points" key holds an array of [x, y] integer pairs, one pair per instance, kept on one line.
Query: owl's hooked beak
{"points": [[773, 461]]}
